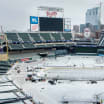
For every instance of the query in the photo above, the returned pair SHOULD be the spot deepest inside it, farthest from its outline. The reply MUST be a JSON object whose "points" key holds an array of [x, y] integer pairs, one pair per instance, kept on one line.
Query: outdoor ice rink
{"points": [[74, 92]]}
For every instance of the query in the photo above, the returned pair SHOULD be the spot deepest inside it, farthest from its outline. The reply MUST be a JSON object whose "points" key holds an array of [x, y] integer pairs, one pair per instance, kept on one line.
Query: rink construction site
{"points": [[66, 79]]}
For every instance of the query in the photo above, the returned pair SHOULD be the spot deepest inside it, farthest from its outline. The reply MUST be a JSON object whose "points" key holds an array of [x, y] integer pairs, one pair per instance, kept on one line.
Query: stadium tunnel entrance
{"points": [[5, 48]]}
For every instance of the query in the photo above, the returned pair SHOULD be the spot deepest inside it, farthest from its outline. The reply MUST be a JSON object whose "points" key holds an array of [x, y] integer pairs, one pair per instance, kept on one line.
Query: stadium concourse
{"points": [[22, 41]]}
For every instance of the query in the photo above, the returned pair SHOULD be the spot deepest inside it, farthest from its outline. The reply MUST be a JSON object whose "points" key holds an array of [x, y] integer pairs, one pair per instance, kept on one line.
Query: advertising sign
{"points": [[34, 27], [67, 28], [34, 23], [33, 20], [67, 25], [50, 12]]}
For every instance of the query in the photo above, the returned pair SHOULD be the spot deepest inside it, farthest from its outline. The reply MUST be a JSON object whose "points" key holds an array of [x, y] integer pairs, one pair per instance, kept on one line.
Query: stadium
{"points": [[48, 57], [49, 35], [51, 31]]}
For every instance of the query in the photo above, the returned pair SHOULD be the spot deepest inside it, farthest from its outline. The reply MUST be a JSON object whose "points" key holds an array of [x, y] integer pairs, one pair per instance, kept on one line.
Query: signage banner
{"points": [[67, 24], [26, 59], [33, 20], [34, 27], [34, 23], [50, 14], [67, 30]]}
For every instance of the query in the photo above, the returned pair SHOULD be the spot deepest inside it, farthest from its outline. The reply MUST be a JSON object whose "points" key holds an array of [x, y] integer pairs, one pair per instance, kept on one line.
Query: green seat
{"points": [[5, 63], [12, 36], [28, 45], [46, 36], [50, 45], [58, 45], [24, 37], [67, 36], [36, 37], [4, 67], [56, 36], [15, 46], [40, 46]]}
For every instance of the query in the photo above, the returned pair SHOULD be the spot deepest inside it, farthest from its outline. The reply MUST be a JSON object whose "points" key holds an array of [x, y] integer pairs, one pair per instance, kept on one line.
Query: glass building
{"points": [[93, 17]]}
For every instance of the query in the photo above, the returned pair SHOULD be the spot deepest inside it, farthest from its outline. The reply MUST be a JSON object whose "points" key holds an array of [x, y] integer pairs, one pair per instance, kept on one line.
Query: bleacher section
{"points": [[67, 36], [46, 37], [21, 41], [12, 36], [36, 37], [40, 46], [28, 46], [57, 37], [4, 67], [101, 41], [15, 46], [24, 37], [57, 45], [50, 45]]}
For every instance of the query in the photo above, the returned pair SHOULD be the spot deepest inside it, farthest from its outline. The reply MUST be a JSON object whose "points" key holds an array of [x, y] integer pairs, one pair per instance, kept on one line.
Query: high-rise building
{"points": [[82, 27], [76, 28], [93, 17]]}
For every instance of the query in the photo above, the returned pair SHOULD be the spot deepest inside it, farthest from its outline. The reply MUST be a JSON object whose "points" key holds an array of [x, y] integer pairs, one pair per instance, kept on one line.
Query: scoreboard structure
{"points": [[50, 19], [51, 24]]}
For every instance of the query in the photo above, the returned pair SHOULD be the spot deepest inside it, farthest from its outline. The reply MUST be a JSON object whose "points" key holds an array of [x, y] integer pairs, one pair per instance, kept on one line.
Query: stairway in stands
{"points": [[4, 67], [101, 41]]}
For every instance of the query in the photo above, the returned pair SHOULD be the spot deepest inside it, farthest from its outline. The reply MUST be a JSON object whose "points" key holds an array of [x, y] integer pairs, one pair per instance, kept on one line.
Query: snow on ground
{"points": [[70, 91], [86, 74], [78, 61]]}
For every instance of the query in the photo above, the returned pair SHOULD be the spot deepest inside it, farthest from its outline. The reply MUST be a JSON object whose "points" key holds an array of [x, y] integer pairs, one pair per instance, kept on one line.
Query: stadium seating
{"points": [[41, 46], [36, 37], [28, 45], [46, 37], [58, 45], [15, 46], [4, 63], [57, 37], [50, 45], [4, 67], [12, 36], [24, 37], [101, 41], [67, 36], [21, 41]]}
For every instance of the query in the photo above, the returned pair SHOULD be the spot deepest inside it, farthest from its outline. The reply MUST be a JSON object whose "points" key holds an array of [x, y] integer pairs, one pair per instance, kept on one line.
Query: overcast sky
{"points": [[14, 14]]}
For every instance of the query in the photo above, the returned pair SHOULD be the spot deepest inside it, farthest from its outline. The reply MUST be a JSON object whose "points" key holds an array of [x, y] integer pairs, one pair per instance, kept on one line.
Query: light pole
{"points": [[100, 8]]}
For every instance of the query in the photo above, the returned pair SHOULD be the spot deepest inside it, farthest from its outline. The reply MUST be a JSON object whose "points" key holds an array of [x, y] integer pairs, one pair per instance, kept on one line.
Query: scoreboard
{"points": [[50, 24]]}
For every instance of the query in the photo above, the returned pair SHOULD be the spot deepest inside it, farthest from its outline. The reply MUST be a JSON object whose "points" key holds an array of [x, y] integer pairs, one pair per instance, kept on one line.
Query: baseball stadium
{"points": [[49, 57]]}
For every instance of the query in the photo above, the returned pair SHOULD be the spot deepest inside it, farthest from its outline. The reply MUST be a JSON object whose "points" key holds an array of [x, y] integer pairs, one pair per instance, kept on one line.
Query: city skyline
{"points": [[15, 13]]}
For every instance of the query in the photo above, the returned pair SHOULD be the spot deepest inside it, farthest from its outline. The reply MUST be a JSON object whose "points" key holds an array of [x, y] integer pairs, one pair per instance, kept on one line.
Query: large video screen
{"points": [[50, 24]]}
